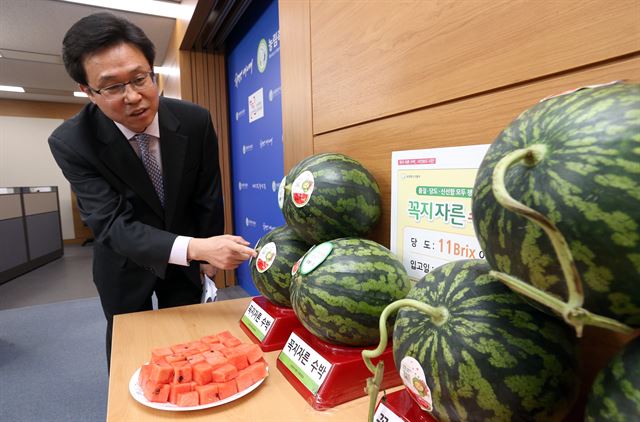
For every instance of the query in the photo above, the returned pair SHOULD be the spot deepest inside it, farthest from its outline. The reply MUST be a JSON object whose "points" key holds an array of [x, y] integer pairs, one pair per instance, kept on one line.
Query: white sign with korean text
{"points": [[306, 364], [384, 414], [257, 320], [431, 218]]}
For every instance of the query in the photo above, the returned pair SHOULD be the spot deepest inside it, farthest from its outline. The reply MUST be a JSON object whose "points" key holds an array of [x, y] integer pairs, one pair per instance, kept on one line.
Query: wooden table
{"points": [[134, 335]]}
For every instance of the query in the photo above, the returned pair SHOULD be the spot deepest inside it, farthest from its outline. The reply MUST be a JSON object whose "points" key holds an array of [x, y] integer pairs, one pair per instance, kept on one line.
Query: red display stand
{"points": [[347, 378], [404, 407], [284, 322]]}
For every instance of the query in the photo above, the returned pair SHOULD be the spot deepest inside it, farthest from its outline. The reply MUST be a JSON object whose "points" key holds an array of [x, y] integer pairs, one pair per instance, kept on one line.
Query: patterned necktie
{"points": [[151, 165]]}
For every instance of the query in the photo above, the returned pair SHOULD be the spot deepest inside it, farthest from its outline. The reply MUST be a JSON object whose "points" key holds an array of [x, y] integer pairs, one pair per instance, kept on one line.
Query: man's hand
{"points": [[208, 270], [224, 252]]}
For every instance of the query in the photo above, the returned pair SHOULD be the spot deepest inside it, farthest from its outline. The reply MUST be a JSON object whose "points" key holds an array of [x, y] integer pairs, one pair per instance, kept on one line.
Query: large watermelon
{"points": [[277, 252], [585, 178], [328, 196], [615, 394], [486, 355], [342, 286]]}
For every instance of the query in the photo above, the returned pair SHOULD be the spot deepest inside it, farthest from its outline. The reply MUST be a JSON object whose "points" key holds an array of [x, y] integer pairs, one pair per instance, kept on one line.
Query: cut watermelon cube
{"points": [[159, 353], [244, 380], [182, 372], [216, 347], [224, 334], [227, 389], [224, 373], [258, 370], [178, 389], [188, 399], [217, 361], [210, 340], [193, 359], [161, 373], [143, 376], [231, 342], [199, 346], [174, 358], [252, 351], [179, 348], [156, 392], [212, 354], [202, 373], [238, 359], [207, 393]]}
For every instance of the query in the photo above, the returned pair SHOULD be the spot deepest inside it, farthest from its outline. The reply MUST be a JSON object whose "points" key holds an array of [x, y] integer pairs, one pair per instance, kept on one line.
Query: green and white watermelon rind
{"points": [[332, 212], [589, 189], [340, 301], [495, 357]]}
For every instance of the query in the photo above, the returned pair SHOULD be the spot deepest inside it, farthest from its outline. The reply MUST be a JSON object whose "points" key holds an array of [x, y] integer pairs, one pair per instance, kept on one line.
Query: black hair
{"points": [[97, 32]]}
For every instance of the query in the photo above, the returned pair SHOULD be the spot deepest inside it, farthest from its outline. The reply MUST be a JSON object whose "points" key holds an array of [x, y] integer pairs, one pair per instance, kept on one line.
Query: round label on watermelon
{"points": [[416, 383], [266, 257], [315, 257], [283, 182], [302, 188]]}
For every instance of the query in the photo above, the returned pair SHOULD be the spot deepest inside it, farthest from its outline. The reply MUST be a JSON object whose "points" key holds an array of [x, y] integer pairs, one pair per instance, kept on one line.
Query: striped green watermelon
{"points": [[615, 394], [485, 354], [584, 176], [339, 298], [277, 252], [328, 196]]}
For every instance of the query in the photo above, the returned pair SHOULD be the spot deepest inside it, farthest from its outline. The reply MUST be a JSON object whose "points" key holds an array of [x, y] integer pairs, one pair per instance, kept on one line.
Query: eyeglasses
{"points": [[117, 91]]}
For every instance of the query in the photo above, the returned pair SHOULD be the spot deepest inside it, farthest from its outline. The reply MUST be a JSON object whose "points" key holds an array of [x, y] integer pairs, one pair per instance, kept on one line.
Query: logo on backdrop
{"points": [[267, 228], [249, 223], [256, 106], [240, 114], [247, 70], [259, 186], [247, 148], [275, 185], [263, 54], [273, 93], [274, 44], [266, 143], [242, 186]]}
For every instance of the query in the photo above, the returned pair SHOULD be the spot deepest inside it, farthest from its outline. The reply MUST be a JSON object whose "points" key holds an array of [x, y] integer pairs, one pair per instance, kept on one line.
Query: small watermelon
{"points": [[329, 196], [586, 181], [486, 355], [342, 286], [277, 252], [615, 394]]}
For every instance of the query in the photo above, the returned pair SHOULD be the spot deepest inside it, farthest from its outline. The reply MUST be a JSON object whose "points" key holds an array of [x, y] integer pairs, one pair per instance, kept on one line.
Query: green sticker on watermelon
{"points": [[315, 257]]}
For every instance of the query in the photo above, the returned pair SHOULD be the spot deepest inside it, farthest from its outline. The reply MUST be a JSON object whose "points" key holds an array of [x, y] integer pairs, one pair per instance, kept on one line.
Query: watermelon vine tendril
{"points": [[571, 310], [438, 315]]}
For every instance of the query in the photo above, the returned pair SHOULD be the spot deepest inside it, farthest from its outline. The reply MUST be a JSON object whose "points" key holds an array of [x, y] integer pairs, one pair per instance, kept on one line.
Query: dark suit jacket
{"points": [[133, 233]]}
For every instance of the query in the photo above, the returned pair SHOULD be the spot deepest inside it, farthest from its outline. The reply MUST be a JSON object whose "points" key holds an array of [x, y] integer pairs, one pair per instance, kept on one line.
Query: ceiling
{"points": [[31, 33]]}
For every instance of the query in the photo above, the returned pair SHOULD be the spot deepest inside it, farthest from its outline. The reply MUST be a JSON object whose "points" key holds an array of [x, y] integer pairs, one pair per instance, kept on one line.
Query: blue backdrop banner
{"points": [[255, 112]]}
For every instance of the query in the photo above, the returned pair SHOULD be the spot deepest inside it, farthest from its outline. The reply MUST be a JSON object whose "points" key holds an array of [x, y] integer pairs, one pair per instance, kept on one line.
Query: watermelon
{"points": [[342, 286], [583, 174], [329, 196], [615, 394], [277, 251], [483, 354]]}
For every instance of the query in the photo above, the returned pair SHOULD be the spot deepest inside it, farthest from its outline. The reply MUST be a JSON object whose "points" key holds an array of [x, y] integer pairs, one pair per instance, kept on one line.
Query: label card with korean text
{"points": [[257, 320], [307, 365], [431, 219], [384, 414]]}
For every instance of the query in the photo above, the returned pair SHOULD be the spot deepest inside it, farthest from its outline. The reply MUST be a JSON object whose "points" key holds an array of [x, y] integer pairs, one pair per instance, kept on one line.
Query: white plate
{"points": [[138, 395]]}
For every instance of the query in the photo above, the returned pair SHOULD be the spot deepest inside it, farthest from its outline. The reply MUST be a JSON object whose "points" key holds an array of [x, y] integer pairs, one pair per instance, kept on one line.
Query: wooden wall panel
{"points": [[375, 59], [41, 109], [475, 120], [295, 65]]}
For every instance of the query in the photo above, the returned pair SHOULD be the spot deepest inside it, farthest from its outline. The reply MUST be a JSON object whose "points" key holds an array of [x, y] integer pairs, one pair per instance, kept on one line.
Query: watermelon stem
{"points": [[571, 310], [438, 315]]}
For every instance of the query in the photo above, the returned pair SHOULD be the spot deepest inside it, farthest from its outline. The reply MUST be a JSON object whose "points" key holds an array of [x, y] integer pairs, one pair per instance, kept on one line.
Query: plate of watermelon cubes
{"points": [[211, 371]]}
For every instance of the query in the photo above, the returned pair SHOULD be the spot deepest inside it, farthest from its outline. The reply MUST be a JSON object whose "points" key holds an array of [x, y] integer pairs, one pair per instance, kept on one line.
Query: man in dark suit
{"points": [[145, 171]]}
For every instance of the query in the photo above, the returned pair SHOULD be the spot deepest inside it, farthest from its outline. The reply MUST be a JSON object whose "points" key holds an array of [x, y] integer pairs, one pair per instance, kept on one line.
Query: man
{"points": [[145, 171]]}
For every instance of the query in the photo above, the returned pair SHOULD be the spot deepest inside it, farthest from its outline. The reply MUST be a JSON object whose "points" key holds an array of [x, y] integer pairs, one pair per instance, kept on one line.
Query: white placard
{"points": [[257, 320], [384, 414], [306, 364], [431, 219]]}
